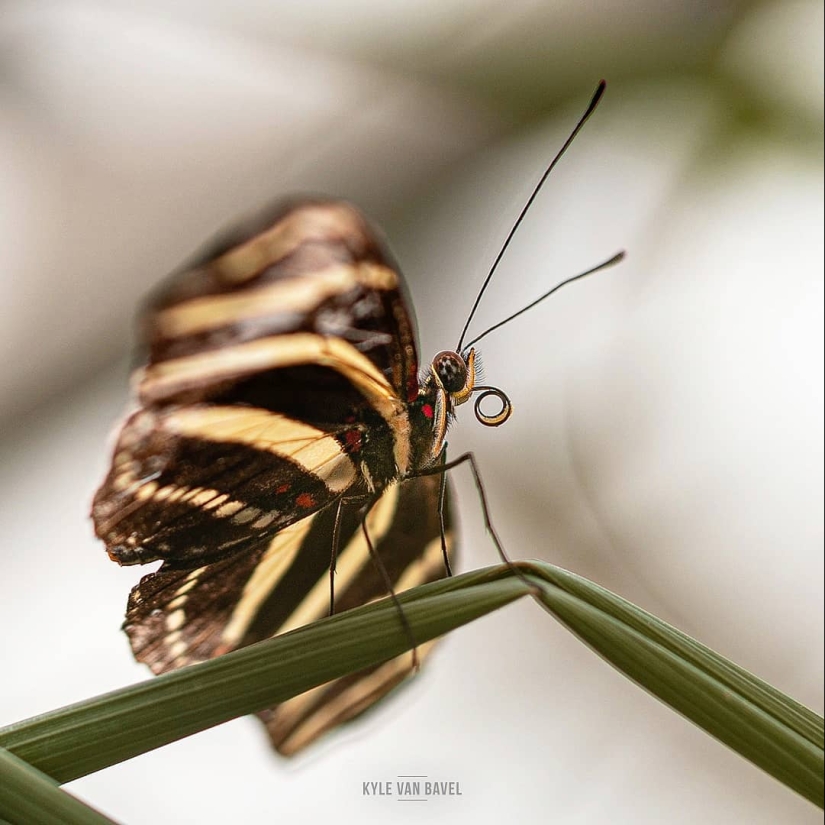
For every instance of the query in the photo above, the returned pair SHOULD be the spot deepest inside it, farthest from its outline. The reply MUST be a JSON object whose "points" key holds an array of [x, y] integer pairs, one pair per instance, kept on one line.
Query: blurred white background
{"points": [[667, 439]]}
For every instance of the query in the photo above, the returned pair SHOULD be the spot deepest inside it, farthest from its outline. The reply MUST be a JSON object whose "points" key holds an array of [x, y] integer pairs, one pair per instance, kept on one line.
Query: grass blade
{"points": [[765, 726], [91, 735], [768, 728], [27, 795]]}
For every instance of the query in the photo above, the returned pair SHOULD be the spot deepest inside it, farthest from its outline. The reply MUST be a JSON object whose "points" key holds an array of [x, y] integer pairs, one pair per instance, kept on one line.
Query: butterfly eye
{"points": [[451, 371]]}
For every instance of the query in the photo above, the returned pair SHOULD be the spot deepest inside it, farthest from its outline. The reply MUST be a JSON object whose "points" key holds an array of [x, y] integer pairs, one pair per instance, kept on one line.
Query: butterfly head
{"points": [[455, 376]]}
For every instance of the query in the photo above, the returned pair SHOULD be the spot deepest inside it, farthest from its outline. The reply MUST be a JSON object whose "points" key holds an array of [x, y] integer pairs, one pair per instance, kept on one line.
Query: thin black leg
{"points": [[390, 589], [336, 541]]}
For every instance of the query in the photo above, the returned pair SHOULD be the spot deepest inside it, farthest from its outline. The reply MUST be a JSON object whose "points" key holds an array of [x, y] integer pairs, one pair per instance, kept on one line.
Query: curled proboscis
{"points": [[499, 417]]}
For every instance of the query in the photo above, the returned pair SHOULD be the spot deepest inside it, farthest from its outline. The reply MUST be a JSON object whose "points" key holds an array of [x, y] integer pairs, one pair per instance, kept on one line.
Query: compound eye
{"points": [[451, 371]]}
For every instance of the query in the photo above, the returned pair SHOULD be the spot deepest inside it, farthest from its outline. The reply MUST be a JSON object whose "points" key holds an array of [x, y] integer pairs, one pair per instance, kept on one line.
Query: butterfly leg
{"points": [[442, 490], [379, 565], [333, 559], [469, 458]]}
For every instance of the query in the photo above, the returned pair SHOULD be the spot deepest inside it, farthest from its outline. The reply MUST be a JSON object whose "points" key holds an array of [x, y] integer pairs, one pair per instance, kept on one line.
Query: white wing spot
{"points": [[123, 481], [193, 491], [146, 491], [229, 509], [264, 521], [216, 502], [246, 515], [164, 493], [177, 647], [177, 494], [175, 620]]}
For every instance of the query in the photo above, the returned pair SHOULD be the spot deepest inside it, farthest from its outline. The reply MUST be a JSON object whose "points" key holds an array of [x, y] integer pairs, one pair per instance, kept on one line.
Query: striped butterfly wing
{"points": [[281, 379], [280, 367], [177, 617]]}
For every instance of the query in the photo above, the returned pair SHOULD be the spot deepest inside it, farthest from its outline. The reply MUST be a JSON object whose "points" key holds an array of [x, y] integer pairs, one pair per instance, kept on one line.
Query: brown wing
{"points": [[311, 266], [177, 617], [196, 483], [280, 368]]}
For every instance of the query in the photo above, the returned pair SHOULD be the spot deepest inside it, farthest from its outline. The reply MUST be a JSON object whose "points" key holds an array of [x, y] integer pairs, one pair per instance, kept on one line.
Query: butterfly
{"points": [[283, 426]]}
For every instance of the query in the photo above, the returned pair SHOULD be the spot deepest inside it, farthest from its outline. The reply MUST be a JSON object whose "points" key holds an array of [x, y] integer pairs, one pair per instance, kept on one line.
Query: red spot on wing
{"points": [[282, 488], [427, 409], [305, 500]]}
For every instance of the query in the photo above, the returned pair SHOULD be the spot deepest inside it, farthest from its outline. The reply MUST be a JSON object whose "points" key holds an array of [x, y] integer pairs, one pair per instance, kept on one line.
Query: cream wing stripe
{"points": [[312, 222], [350, 560], [415, 573], [349, 703], [165, 378], [291, 295], [273, 564], [314, 450], [176, 648], [421, 568]]}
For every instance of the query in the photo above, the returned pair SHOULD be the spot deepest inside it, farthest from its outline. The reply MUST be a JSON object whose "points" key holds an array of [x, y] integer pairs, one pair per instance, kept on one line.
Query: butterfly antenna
{"points": [[619, 256], [589, 111]]}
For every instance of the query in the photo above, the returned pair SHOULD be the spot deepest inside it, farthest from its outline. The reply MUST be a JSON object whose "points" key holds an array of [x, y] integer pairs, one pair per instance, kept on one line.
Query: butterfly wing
{"points": [[281, 377], [280, 366], [176, 617]]}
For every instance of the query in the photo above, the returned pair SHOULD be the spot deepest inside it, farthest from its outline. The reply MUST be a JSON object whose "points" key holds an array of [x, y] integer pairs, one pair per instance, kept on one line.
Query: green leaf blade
{"points": [[27, 795], [91, 735], [762, 724], [731, 704]]}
